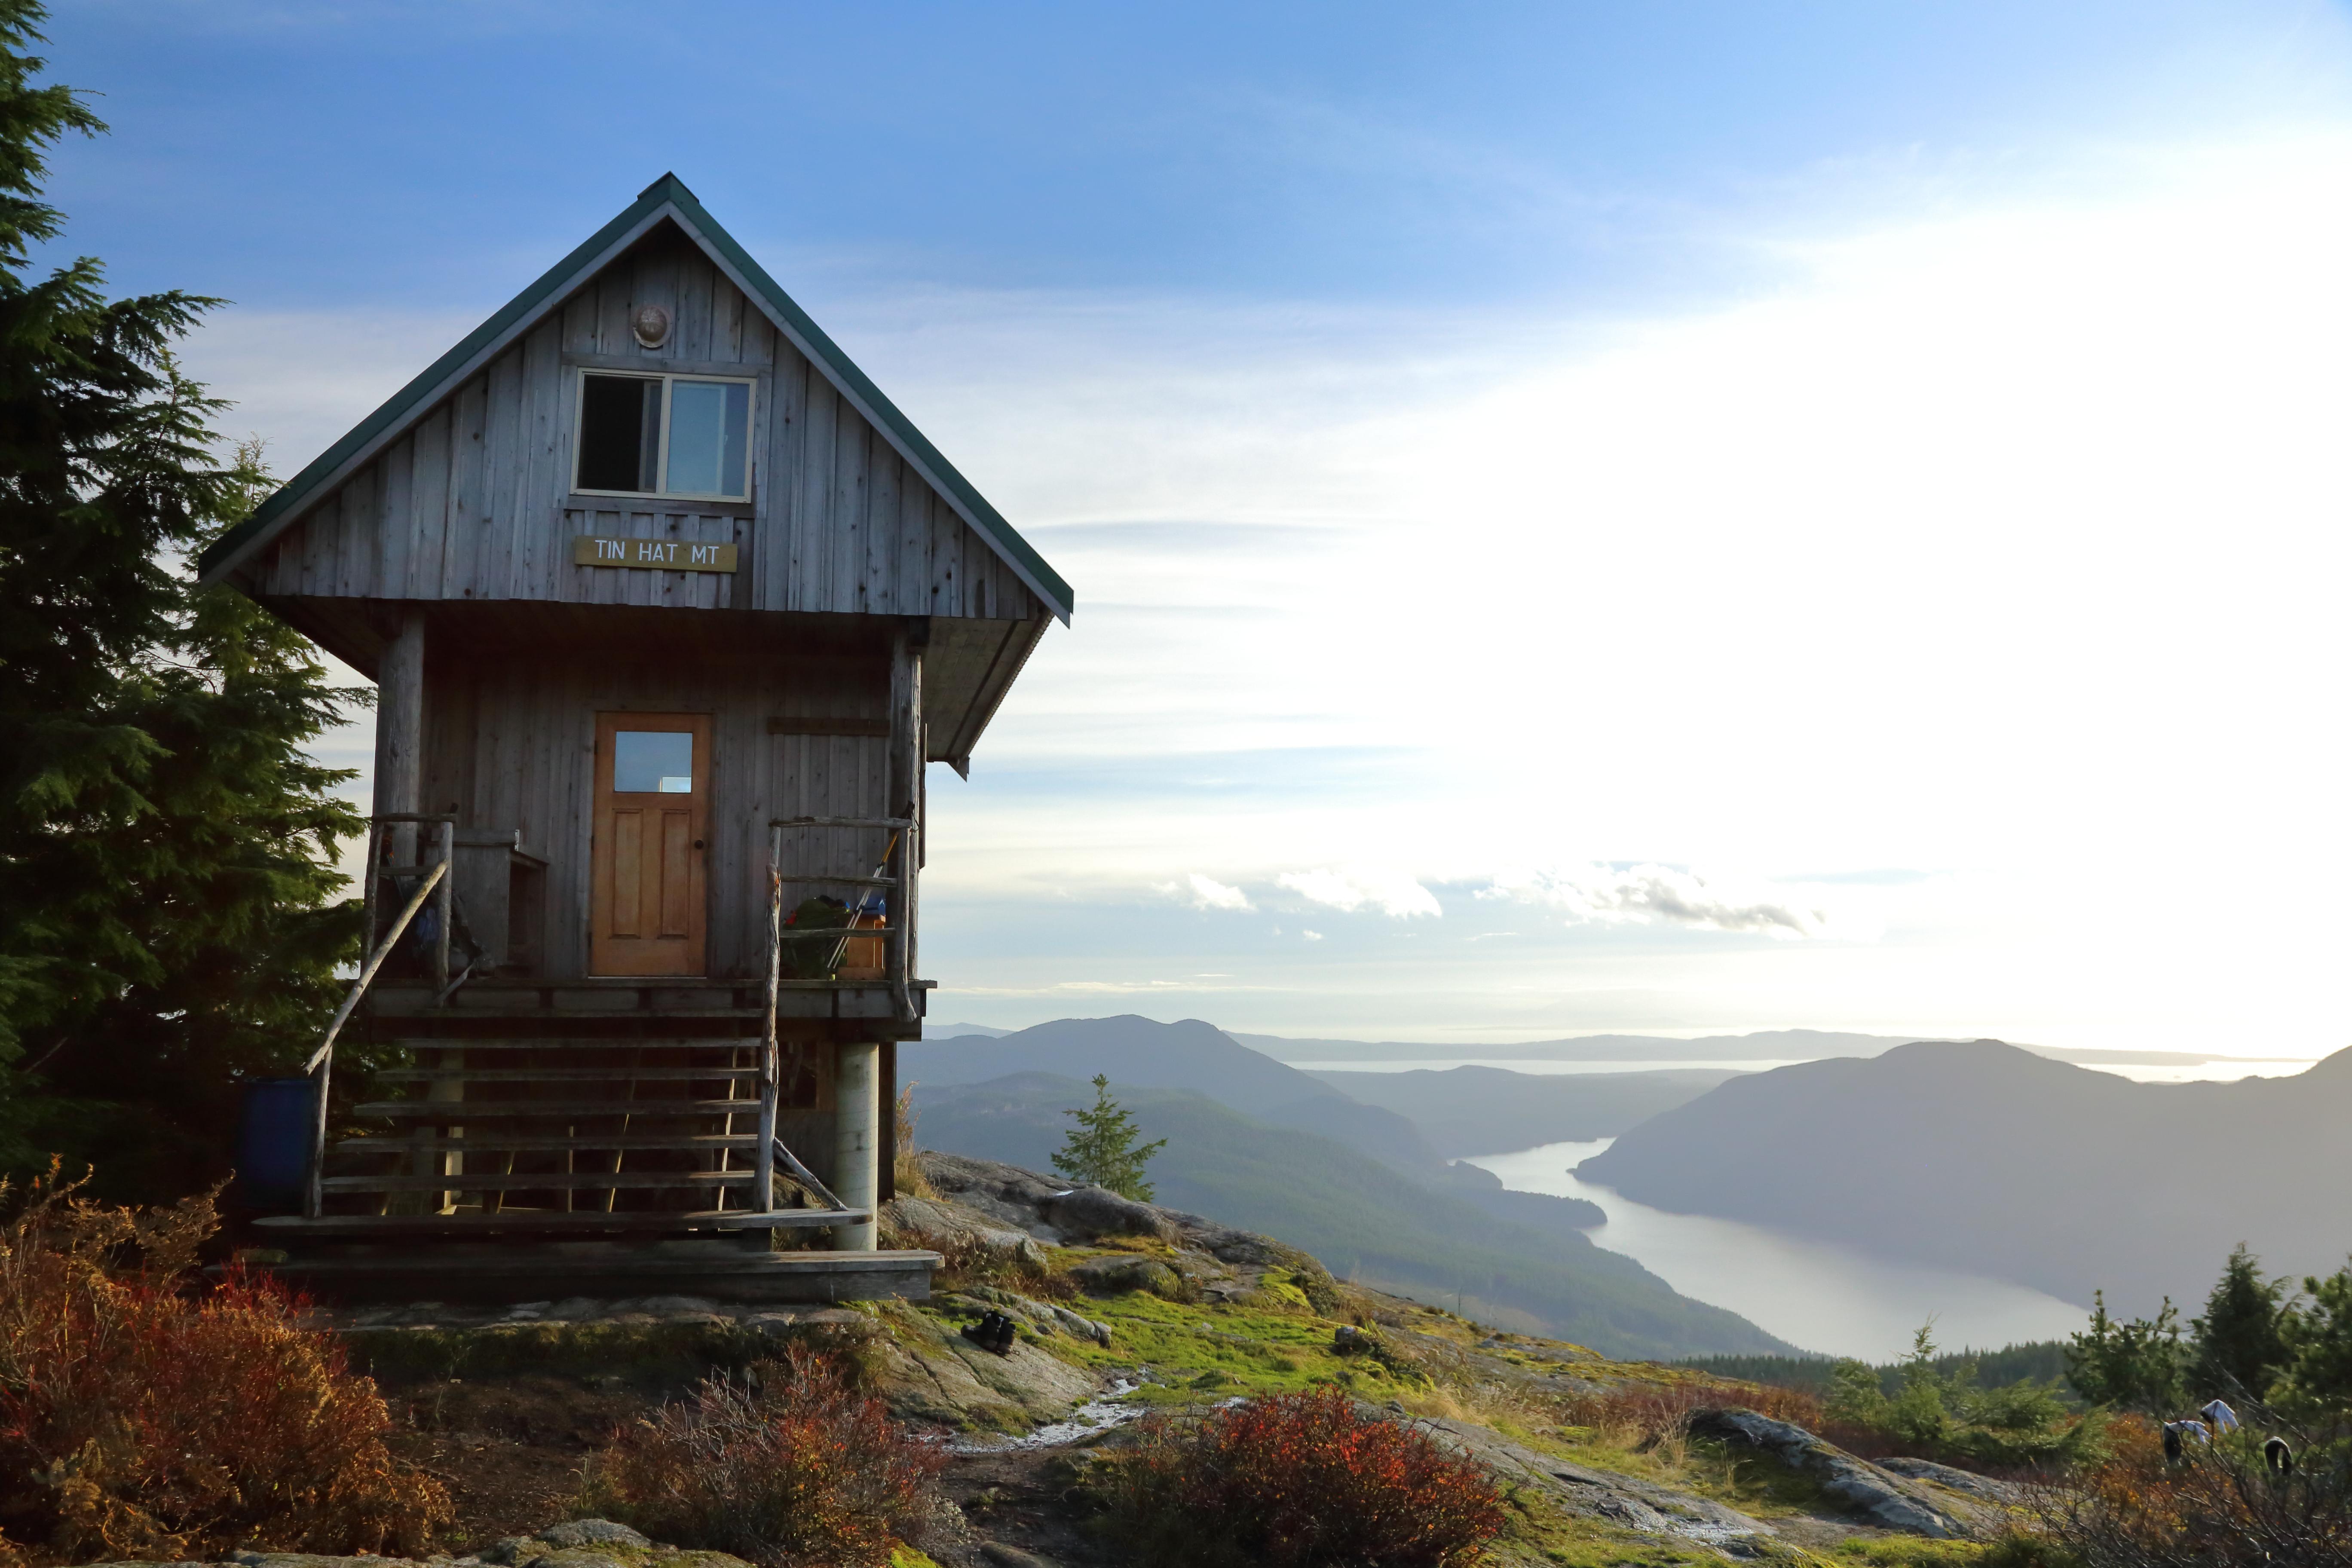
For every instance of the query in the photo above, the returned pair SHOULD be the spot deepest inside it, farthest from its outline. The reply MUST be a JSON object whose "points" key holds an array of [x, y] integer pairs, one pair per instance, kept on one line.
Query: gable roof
{"points": [[666, 198]]}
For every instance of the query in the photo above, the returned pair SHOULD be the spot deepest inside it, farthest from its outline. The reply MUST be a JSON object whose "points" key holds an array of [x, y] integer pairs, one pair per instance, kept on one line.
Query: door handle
{"points": [[697, 844]]}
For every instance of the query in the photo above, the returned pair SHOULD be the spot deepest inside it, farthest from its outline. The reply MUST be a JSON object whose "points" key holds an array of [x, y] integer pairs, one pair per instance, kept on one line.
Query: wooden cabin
{"points": [[668, 607]]}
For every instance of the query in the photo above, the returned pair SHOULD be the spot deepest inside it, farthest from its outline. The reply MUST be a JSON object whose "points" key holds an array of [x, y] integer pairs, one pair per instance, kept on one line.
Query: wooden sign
{"points": [[652, 554]]}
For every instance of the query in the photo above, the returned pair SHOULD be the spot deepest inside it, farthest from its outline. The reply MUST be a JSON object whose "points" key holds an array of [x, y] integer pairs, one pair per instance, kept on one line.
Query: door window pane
{"points": [[619, 428], [653, 761], [710, 431]]}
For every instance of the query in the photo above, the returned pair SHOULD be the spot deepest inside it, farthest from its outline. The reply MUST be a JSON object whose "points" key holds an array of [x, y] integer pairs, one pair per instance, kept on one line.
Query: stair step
{"points": [[471, 1112], [558, 1075], [600, 1181], [557, 1220], [497, 1144], [668, 1042]]}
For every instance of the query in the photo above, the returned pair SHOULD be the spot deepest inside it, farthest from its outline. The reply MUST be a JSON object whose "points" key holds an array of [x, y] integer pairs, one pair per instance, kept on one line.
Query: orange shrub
{"points": [[1300, 1480], [137, 1421], [812, 1472]]}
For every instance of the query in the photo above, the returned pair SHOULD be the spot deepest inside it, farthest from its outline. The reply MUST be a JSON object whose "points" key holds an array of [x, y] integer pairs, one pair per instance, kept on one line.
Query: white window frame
{"points": [[661, 455]]}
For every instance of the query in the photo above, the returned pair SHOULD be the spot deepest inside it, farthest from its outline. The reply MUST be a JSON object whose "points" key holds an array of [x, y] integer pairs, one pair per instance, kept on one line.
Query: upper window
{"points": [[663, 436]]}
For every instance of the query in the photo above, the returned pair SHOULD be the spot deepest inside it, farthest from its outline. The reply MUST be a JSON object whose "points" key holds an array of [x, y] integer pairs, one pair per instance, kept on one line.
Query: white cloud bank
{"points": [[1207, 893], [1354, 888]]}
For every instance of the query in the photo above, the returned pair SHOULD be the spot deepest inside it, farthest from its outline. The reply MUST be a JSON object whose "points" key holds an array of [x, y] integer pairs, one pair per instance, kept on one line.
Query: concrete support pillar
{"points": [[856, 1138]]}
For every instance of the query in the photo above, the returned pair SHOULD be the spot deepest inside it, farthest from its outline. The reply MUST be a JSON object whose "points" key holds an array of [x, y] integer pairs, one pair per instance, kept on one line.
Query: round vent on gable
{"points": [[651, 323]]}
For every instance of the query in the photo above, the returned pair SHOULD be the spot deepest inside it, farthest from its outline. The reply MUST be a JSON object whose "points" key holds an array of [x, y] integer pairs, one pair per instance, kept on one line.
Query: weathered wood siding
{"points": [[510, 743], [470, 503]]}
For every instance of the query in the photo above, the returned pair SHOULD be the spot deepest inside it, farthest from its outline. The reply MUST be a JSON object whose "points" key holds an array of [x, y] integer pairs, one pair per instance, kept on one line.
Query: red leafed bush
{"points": [[808, 1472], [1300, 1480], [142, 1416]]}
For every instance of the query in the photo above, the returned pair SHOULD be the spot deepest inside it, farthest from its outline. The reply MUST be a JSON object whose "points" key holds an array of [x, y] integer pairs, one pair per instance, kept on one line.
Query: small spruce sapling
{"points": [[1102, 1149], [2135, 1366], [2237, 1348]]}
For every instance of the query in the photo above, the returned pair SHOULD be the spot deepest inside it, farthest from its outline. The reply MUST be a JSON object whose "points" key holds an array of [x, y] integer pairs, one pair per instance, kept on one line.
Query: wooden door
{"points": [[648, 905]]}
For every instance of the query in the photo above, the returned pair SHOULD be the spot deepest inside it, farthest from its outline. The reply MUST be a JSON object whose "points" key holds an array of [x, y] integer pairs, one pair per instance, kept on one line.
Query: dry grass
{"points": [[907, 1177]]}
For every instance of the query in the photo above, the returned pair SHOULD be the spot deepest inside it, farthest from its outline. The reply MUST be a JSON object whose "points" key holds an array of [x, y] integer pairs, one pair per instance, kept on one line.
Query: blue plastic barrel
{"points": [[273, 1143]]}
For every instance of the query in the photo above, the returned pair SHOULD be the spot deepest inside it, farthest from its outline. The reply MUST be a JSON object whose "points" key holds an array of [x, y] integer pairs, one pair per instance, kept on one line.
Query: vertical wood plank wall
{"points": [[510, 743], [470, 503]]}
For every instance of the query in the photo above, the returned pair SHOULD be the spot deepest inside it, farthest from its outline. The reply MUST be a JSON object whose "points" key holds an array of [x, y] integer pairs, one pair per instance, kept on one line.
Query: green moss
{"points": [[1910, 1551], [1537, 1530]]}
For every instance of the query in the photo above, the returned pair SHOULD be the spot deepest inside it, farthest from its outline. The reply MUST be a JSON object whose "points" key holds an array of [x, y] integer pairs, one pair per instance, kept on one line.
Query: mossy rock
{"points": [[1119, 1274]]}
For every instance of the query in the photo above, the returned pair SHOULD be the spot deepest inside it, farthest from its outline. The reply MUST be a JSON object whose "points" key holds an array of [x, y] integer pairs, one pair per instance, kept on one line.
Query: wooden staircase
{"points": [[560, 1134]]}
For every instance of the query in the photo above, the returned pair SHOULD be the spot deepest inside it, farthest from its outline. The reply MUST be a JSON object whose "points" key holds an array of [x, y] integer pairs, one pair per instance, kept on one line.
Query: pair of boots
{"points": [[994, 1333]]}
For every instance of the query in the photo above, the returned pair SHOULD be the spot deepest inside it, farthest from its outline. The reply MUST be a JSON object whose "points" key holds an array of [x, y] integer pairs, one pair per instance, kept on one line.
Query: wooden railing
{"points": [[896, 874], [434, 876]]}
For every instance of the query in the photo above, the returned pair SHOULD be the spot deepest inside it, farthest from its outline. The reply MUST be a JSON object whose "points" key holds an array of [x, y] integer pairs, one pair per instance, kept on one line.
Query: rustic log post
{"points": [[856, 1141], [400, 735]]}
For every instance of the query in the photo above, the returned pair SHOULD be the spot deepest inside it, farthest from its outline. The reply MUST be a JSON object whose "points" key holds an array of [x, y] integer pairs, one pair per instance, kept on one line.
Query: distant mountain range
{"points": [[1470, 1110], [1777, 1044], [1985, 1157], [1517, 1259], [1771, 1045], [1414, 1122]]}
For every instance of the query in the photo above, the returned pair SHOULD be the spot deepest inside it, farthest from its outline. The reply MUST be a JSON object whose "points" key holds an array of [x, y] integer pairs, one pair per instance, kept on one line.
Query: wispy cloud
{"points": [[1648, 894], [1356, 888]]}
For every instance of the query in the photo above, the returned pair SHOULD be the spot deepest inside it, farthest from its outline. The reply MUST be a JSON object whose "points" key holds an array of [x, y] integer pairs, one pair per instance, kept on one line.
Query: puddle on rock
{"points": [[1100, 1414]]}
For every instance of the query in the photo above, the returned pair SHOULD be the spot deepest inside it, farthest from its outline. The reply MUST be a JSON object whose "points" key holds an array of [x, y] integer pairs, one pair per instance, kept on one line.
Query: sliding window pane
{"points": [[709, 435], [620, 424]]}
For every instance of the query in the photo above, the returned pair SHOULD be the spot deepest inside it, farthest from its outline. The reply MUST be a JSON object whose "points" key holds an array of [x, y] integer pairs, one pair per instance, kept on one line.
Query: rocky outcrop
{"points": [[1856, 1486], [984, 1194], [954, 1230], [1968, 1483], [1117, 1275], [1602, 1495], [1045, 1317], [930, 1372], [1095, 1211]]}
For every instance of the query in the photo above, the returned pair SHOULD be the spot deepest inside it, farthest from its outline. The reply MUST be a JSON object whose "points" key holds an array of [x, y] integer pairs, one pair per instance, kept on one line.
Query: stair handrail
{"points": [[322, 1065]]}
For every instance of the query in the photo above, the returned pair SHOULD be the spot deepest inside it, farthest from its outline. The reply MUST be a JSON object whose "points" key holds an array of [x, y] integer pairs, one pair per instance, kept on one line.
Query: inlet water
{"points": [[1815, 1294]]}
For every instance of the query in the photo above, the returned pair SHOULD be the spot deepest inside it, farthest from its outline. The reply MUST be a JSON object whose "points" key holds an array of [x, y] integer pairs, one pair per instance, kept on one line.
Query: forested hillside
{"points": [[1361, 1219]]}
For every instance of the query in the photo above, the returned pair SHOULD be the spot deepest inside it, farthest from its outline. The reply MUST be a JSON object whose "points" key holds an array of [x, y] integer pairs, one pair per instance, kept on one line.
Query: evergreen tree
{"points": [[2317, 1386], [1102, 1150], [2129, 1366], [2236, 1349], [169, 918]]}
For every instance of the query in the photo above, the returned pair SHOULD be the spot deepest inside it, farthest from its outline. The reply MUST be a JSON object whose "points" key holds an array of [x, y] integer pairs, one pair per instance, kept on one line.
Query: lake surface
{"points": [[1814, 1294]]}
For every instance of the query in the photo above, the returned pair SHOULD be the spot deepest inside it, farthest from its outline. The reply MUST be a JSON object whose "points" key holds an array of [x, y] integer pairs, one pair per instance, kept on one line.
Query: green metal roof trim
{"points": [[671, 191]]}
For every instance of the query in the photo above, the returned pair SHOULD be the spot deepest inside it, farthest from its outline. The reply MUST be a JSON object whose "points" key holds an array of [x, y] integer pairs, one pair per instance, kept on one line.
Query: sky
{"points": [[1680, 518]]}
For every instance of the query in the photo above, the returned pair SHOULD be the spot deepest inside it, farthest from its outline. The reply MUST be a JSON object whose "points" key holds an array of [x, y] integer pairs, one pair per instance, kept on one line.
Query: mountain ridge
{"points": [[1984, 1157]]}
